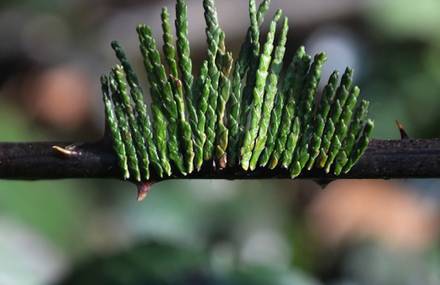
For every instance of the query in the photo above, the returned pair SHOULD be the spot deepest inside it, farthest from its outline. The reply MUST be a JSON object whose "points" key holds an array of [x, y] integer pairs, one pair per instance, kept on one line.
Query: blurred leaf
{"points": [[162, 264], [406, 18]]}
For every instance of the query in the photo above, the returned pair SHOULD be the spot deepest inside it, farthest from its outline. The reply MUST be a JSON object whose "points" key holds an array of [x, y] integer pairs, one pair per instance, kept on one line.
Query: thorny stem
{"points": [[408, 158]]}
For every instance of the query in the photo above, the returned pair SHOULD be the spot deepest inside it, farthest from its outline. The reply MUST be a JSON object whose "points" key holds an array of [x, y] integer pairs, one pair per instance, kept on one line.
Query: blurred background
{"points": [[215, 232]]}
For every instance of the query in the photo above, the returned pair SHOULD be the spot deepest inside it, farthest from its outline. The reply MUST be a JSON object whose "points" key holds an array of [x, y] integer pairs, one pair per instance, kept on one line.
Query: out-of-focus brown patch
{"points": [[59, 97], [372, 209]]}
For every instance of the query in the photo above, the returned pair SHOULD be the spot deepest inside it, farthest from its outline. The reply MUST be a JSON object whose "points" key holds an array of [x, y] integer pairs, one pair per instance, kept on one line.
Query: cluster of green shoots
{"points": [[248, 112]]}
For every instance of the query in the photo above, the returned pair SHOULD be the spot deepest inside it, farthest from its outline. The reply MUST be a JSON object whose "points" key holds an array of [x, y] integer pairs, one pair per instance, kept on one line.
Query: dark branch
{"points": [[410, 158]]}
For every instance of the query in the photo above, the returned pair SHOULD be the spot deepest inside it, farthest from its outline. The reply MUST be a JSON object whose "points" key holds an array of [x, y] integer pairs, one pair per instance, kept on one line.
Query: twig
{"points": [[409, 158]]}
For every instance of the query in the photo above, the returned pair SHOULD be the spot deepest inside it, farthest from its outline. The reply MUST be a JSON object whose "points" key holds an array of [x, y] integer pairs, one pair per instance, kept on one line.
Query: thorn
{"points": [[222, 162], [403, 133], [323, 182], [67, 151], [176, 81], [143, 188]]}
